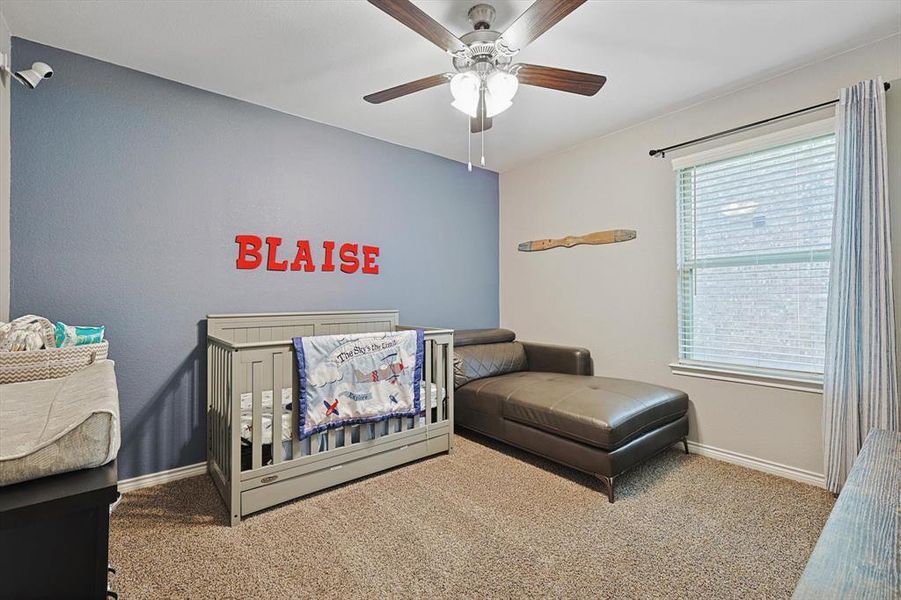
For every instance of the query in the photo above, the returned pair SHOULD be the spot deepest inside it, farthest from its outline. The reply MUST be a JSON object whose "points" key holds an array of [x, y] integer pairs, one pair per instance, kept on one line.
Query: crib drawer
{"points": [[289, 489]]}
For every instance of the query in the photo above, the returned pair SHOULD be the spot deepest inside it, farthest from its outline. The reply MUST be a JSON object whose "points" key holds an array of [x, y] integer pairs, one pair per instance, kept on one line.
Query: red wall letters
{"points": [[351, 256]]}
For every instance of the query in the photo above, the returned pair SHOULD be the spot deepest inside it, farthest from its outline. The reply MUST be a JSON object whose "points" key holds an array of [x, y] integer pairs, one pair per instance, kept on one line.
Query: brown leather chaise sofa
{"points": [[545, 399]]}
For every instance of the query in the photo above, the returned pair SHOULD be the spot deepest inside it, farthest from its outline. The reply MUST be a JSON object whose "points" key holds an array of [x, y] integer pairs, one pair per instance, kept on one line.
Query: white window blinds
{"points": [[754, 247]]}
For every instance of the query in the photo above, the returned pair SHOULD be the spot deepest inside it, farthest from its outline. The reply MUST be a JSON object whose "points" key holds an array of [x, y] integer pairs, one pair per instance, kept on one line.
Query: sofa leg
{"points": [[685, 444], [608, 483]]}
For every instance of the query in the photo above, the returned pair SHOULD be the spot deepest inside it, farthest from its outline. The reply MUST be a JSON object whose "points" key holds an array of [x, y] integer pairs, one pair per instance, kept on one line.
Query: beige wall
{"points": [[620, 300], [4, 177]]}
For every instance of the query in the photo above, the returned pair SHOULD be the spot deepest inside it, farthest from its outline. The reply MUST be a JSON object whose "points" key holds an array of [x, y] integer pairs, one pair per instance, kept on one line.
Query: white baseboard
{"points": [[758, 464], [735, 458], [151, 479]]}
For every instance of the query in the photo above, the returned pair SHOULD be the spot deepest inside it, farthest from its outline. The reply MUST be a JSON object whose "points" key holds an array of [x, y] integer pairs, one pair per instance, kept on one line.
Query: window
{"points": [[755, 230]]}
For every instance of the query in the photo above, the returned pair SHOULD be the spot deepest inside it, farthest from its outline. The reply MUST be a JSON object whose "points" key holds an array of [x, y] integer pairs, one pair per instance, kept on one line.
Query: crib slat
{"points": [[217, 423], [246, 386], [222, 403], [314, 443], [449, 390], [427, 378], [239, 376], [212, 409], [332, 439], [449, 380], [223, 414], [277, 408], [348, 435], [216, 386], [227, 399], [439, 379], [297, 445], [225, 375], [256, 433]]}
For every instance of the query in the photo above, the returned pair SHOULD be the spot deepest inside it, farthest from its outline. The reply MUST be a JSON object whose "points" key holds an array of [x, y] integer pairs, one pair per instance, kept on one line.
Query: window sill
{"points": [[774, 379]]}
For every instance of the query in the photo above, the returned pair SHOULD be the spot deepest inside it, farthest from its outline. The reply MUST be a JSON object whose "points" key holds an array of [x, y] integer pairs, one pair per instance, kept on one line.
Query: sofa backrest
{"points": [[480, 353]]}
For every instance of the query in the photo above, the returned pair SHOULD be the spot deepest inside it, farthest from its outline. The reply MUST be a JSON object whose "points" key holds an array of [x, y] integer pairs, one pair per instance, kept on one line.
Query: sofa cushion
{"points": [[486, 396], [487, 360], [603, 412], [471, 337]]}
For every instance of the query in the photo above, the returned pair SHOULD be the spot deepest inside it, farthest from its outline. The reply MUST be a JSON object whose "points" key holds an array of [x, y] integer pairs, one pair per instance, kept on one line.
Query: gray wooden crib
{"points": [[252, 377]]}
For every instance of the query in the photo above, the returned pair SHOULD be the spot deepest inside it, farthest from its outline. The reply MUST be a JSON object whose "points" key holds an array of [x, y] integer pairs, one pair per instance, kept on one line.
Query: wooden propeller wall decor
{"points": [[485, 78], [611, 236]]}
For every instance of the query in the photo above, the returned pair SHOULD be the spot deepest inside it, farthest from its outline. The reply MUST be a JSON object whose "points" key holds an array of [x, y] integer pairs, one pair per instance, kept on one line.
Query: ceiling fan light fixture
{"points": [[502, 85], [495, 105], [464, 88], [468, 108]]}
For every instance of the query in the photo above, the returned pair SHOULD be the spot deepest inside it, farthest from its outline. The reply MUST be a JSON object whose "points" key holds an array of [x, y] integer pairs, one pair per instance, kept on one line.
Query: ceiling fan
{"points": [[486, 77]]}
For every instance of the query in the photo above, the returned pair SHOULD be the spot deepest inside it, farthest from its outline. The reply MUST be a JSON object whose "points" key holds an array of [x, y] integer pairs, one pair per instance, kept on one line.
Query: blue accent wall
{"points": [[128, 191]]}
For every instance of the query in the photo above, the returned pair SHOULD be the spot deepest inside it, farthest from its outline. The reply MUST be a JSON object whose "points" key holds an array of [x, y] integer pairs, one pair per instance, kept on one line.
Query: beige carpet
{"points": [[487, 521]]}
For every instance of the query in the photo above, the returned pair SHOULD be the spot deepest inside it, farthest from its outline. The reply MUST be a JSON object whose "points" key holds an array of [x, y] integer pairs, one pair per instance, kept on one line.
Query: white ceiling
{"points": [[317, 59]]}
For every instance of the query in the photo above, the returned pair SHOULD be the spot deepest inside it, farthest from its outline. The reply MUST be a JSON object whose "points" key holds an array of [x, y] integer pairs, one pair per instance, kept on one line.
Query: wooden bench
{"points": [[857, 553]]}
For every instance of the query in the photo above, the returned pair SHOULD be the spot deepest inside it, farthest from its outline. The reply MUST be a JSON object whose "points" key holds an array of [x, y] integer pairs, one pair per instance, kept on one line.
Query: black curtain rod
{"points": [[662, 151]]}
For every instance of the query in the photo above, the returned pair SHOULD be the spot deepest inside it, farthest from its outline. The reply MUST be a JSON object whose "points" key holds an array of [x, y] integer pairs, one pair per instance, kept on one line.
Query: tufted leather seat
{"points": [[601, 411]]}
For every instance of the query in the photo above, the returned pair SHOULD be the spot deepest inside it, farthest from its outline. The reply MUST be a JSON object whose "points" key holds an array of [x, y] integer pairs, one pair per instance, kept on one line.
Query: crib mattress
{"points": [[266, 417], [57, 425]]}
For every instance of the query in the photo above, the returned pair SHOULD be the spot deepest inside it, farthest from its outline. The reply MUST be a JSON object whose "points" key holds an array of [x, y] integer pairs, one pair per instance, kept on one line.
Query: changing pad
{"points": [[57, 425]]}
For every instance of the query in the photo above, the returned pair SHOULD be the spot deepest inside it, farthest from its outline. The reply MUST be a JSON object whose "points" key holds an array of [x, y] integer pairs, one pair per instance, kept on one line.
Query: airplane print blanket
{"points": [[357, 378]]}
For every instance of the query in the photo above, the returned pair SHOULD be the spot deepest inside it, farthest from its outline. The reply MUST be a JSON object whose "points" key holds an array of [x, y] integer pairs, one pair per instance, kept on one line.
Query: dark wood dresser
{"points": [[54, 535], [857, 555]]}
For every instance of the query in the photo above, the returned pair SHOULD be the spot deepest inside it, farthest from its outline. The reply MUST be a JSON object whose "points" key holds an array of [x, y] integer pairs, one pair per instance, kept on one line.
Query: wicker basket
{"points": [[49, 364]]}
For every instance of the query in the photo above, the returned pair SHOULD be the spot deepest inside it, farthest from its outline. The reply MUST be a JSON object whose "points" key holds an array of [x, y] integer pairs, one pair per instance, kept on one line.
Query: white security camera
{"points": [[30, 78]]}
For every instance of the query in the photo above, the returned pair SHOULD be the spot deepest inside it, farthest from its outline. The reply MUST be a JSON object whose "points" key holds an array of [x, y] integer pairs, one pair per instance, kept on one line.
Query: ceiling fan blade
{"points": [[537, 19], [476, 125], [574, 82], [407, 13], [405, 88]]}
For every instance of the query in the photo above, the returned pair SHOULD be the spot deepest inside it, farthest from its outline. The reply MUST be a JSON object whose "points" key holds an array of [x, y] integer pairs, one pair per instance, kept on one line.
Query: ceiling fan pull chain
{"points": [[483, 138], [468, 146]]}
